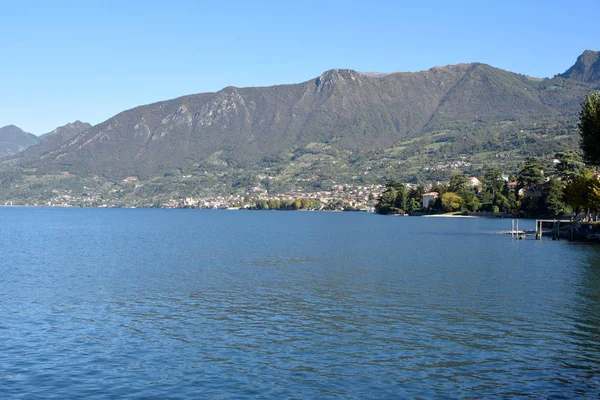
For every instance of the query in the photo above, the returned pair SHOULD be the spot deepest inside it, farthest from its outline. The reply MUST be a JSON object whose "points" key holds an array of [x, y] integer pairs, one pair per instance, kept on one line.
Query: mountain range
{"points": [[340, 124], [13, 140]]}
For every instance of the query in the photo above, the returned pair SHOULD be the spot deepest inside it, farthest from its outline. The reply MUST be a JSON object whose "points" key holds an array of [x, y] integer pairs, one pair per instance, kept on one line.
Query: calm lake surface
{"points": [[113, 303]]}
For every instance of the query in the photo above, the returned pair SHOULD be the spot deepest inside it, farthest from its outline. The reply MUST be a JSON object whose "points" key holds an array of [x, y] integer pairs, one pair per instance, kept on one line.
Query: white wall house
{"points": [[427, 197]]}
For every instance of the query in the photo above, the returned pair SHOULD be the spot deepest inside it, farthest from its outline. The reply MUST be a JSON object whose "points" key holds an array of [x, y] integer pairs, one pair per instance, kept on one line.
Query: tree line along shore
{"points": [[567, 184]]}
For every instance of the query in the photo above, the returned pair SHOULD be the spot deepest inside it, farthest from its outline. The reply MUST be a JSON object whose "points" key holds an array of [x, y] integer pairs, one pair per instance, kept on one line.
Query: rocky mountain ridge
{"points": [[353, 111], [337, 126]]}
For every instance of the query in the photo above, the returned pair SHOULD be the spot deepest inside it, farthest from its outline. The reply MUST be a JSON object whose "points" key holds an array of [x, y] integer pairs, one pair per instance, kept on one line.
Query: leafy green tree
{"points": [[502, 203], [513, 201], [387, 202], [262, 205], [400, 201], [274, 204], [486, 200], [459, 183], [583, 191], [470, 201], [532, 206], [414, 200], [451, 201], [531, 175], [492, 186], [492, 181], [289, 205], [441, 188], [553, 197], [569, 166], [589, 128], [413, 205]]}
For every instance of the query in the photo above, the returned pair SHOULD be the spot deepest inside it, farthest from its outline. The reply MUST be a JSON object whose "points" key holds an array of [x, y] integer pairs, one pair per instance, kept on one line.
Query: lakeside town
{"points": [[339, 198]]}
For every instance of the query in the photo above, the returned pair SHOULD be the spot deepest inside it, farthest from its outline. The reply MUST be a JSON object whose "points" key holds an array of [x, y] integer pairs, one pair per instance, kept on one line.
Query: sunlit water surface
{"points": [[221, 304]]}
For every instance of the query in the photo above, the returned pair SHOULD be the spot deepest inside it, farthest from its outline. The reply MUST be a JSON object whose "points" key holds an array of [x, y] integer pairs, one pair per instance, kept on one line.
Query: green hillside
{"points": [[341, 127]]}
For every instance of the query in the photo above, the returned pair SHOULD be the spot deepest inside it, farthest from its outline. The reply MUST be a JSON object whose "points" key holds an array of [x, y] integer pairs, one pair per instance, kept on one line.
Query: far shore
{"points": [[452, 216]]}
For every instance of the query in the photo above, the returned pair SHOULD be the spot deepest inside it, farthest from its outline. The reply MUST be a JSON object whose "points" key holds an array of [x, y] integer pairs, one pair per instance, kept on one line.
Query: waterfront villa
{"points": [[427, 197]]}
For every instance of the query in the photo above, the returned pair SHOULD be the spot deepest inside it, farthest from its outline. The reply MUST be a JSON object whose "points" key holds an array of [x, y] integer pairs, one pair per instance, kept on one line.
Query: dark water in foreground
{"points": [[224, 304]]}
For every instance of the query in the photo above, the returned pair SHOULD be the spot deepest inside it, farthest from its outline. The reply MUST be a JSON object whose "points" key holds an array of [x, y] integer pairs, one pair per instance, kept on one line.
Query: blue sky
{"points": [[67, 60]]}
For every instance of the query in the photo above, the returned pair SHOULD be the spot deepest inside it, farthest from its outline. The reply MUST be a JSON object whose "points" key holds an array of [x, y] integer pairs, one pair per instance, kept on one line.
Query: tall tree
{"points": [[589, 128], [459, 183], [569, 166], [531, 174], [583, 191], [492, 181], [387, 201], [400, 201], [553, 197]]}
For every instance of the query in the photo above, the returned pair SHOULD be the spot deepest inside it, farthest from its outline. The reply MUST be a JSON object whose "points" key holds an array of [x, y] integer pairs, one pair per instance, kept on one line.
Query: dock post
{"points": [[571, 232], [512, 228]]}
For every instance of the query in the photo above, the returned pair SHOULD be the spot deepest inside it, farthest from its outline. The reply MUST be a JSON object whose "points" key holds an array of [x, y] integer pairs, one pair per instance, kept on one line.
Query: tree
{"points": [[583, 191], [400, 201], [459, 183], [414, 199], [413, 205], [492, 188], [513, 201], [589, 128], [570, 164], [274, 204], [531, 174], [387, 201], [470, 201], [502, 203], [262, 205], [492, 181], [487, 200], [451, 201], [553, 197]]}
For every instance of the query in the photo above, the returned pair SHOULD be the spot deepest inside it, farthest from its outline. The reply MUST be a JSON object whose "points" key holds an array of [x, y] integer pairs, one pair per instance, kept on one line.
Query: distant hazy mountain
{"points": [[13, 139]]}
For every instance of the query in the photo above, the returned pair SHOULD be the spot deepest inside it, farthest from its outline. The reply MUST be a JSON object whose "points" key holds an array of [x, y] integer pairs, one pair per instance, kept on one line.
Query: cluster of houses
{"points": [[453, 165], [475, 182], [339, 197]]}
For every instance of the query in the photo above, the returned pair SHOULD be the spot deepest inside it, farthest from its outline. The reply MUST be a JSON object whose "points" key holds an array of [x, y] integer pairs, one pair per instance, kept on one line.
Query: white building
{"points": [[427, 197]]}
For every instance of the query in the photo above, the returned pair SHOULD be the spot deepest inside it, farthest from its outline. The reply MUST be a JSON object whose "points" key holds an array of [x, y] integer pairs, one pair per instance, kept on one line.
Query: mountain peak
{"points": [[69, 129], [11, 128], [14, 139], [586, 68], [337, 76]]}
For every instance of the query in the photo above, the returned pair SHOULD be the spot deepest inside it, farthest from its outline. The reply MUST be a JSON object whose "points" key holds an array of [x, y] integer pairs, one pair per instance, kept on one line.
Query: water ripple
{"points": [[187, 304]]}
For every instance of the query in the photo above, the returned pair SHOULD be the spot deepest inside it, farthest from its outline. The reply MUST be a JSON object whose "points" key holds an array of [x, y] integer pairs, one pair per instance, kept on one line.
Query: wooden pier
{"points": [[555, 228], [558, 228]]}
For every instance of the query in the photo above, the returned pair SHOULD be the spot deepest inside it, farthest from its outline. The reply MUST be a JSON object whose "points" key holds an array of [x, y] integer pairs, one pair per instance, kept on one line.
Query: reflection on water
{"points": [[184, 303]]}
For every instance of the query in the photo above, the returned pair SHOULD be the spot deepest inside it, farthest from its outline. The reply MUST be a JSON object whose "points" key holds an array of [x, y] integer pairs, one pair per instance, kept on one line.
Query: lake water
{"points": [[114, 303]]}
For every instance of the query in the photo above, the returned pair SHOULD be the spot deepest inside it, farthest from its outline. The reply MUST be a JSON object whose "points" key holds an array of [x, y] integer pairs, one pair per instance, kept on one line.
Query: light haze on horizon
{"points": [[69, 60]]}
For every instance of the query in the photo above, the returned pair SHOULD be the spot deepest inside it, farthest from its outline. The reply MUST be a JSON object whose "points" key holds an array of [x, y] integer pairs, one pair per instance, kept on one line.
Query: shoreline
{"points": [[452, 216]]}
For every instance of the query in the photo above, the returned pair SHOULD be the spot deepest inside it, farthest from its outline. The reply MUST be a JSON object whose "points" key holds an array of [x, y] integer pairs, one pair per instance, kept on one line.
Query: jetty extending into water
{"points": [[557, 229]]}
